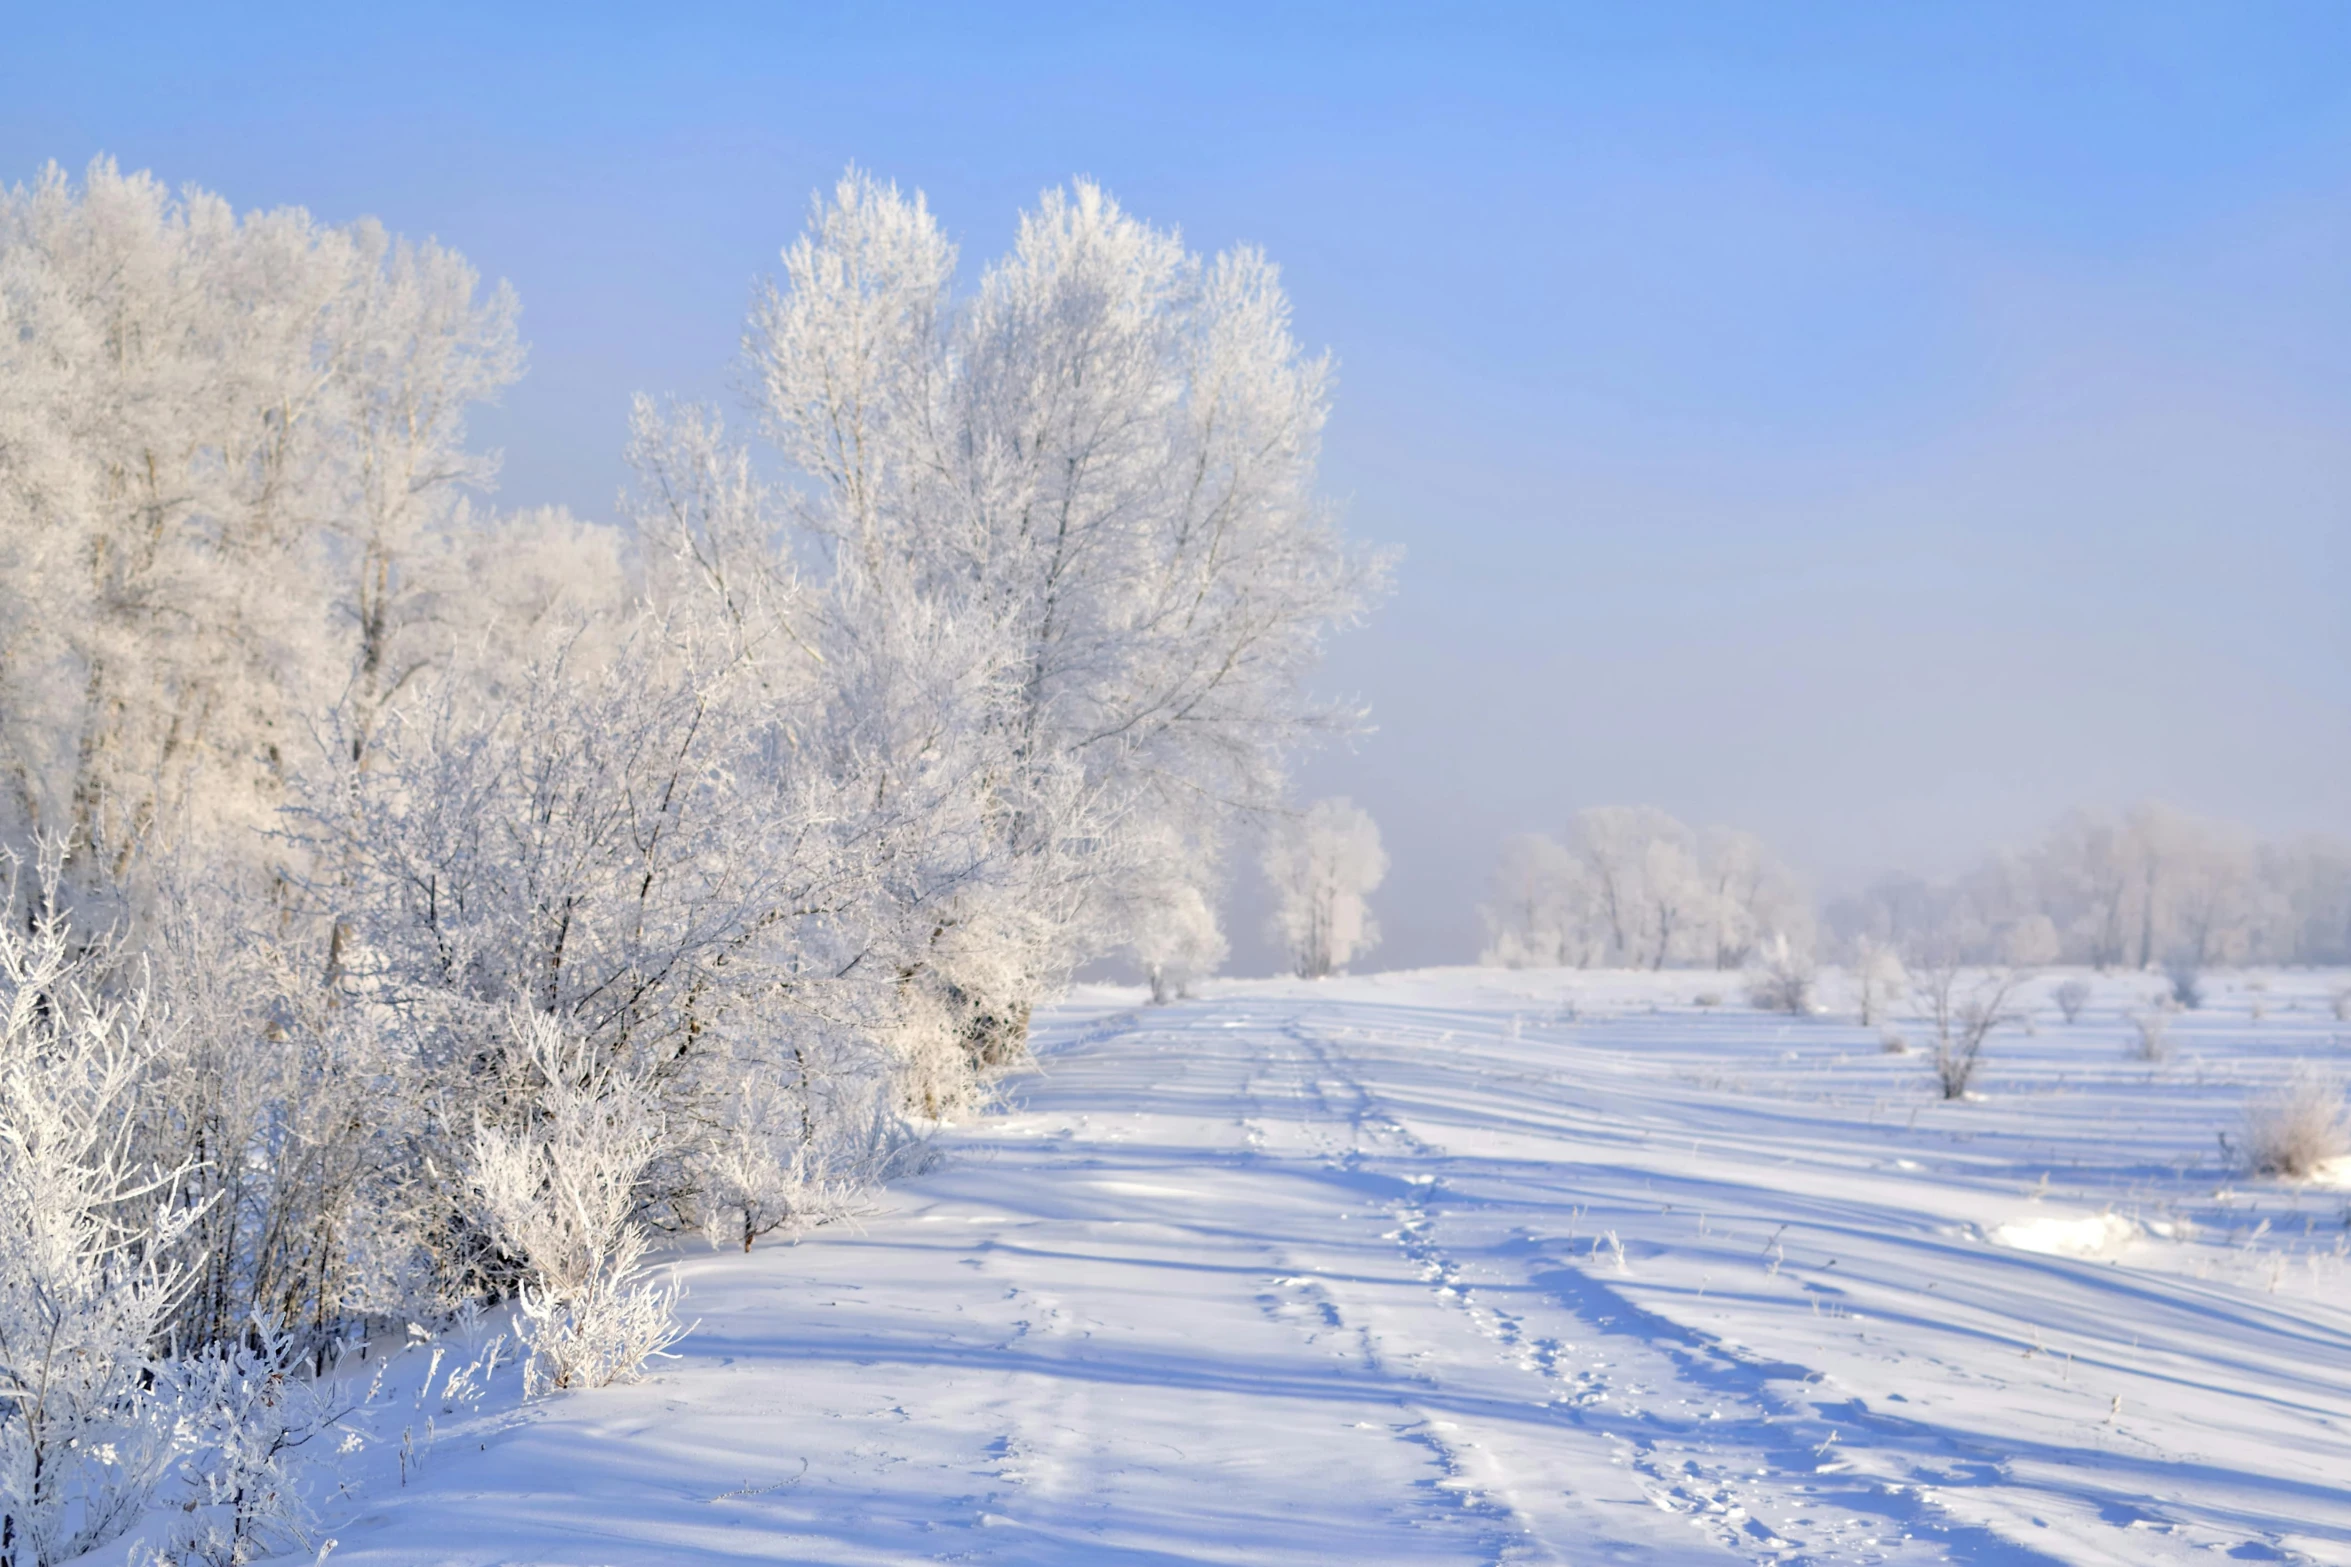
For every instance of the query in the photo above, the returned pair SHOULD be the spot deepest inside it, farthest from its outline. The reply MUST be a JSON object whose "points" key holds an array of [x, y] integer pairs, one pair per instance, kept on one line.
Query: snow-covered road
{"points": [[1477, 1267]]}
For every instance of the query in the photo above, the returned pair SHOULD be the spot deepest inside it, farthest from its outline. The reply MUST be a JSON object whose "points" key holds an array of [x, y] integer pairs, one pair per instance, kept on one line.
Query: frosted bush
{"points": [[85, 1226], [560, 1194], [2187, 988], [601, 1332], [2293, 1130], [2071, 997], [2154, 1035], [777, 1166], [1784, 984], [1963, 1017], [246, 1412]]}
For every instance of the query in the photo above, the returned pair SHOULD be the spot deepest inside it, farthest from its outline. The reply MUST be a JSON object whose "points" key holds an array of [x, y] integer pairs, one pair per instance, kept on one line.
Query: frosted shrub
{"points": [[2295, 1129], [1963, 1017], [2343, 1006], [2154, 1035], [2071, 997], [300, 1121], [778, 1167], [604, 1331], [560, 1194], [1784, 984], [246, 1413], [766, 1171], [84, 1416], [2187, 988]]}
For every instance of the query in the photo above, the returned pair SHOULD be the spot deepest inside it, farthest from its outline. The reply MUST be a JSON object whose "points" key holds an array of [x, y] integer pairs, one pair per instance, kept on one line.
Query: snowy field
{"points": [[1485, 1266]]}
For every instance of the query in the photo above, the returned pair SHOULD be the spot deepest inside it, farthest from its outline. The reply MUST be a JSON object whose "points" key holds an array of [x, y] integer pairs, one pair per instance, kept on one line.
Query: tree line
{"points": [[419, 904], [2153, 887], [1632, 887]]}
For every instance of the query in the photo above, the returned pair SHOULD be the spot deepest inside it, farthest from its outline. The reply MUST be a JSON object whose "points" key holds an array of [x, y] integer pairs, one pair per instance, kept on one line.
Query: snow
{"points": [[1483, 1266], [2056, 1235]]}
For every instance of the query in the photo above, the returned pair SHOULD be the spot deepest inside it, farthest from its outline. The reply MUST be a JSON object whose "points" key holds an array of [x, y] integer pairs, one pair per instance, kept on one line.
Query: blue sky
{"points": [[1880, 426]]}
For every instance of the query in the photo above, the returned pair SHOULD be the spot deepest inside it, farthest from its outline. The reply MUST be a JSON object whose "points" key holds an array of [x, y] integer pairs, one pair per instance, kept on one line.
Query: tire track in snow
{"points": [[1699, 1424], [1461, 1486]]}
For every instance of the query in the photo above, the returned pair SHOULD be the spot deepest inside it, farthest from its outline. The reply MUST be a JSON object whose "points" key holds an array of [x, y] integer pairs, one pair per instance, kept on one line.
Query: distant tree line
{"points": [[2153, 887], [1631, 887]]}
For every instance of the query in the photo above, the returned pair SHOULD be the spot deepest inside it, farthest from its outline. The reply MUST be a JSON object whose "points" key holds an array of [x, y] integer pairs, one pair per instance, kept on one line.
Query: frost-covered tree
{"points": [[1618, 848], [1752, 899], [1074, 562], [1177, 940], [1323, 864], [1541, 913], [559, 1191], [2303, 901], [517, 887], [1167, 906], [1879, 980], [230, 452], [2089, 876], [1633, 887]]}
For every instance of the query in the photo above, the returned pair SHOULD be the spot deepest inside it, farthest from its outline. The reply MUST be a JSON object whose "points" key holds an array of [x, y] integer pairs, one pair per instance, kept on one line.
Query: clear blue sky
{"points": [[1880, 426]]}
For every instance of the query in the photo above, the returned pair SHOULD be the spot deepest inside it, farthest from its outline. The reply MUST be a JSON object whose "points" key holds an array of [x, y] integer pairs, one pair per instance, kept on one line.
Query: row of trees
{"points": [[2151, 887], [1631, 887], [489, 889]]}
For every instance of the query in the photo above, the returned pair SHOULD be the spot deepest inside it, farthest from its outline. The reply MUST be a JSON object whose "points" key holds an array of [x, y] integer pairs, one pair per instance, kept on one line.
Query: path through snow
{"points": [[1472, 1267]]}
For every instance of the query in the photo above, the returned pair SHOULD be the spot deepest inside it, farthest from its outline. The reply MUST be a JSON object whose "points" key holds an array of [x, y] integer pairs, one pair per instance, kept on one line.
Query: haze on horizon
{"points": [[1878, 430]]}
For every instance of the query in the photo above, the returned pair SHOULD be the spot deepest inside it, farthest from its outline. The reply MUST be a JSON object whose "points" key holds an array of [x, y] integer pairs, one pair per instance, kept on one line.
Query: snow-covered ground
{"points": [[1477, 1266]]}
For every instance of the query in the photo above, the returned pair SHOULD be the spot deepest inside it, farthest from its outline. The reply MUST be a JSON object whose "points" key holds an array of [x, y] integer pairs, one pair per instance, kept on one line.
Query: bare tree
{"points": [[2071, 997], [1784, 981], [1963, 1006]]}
